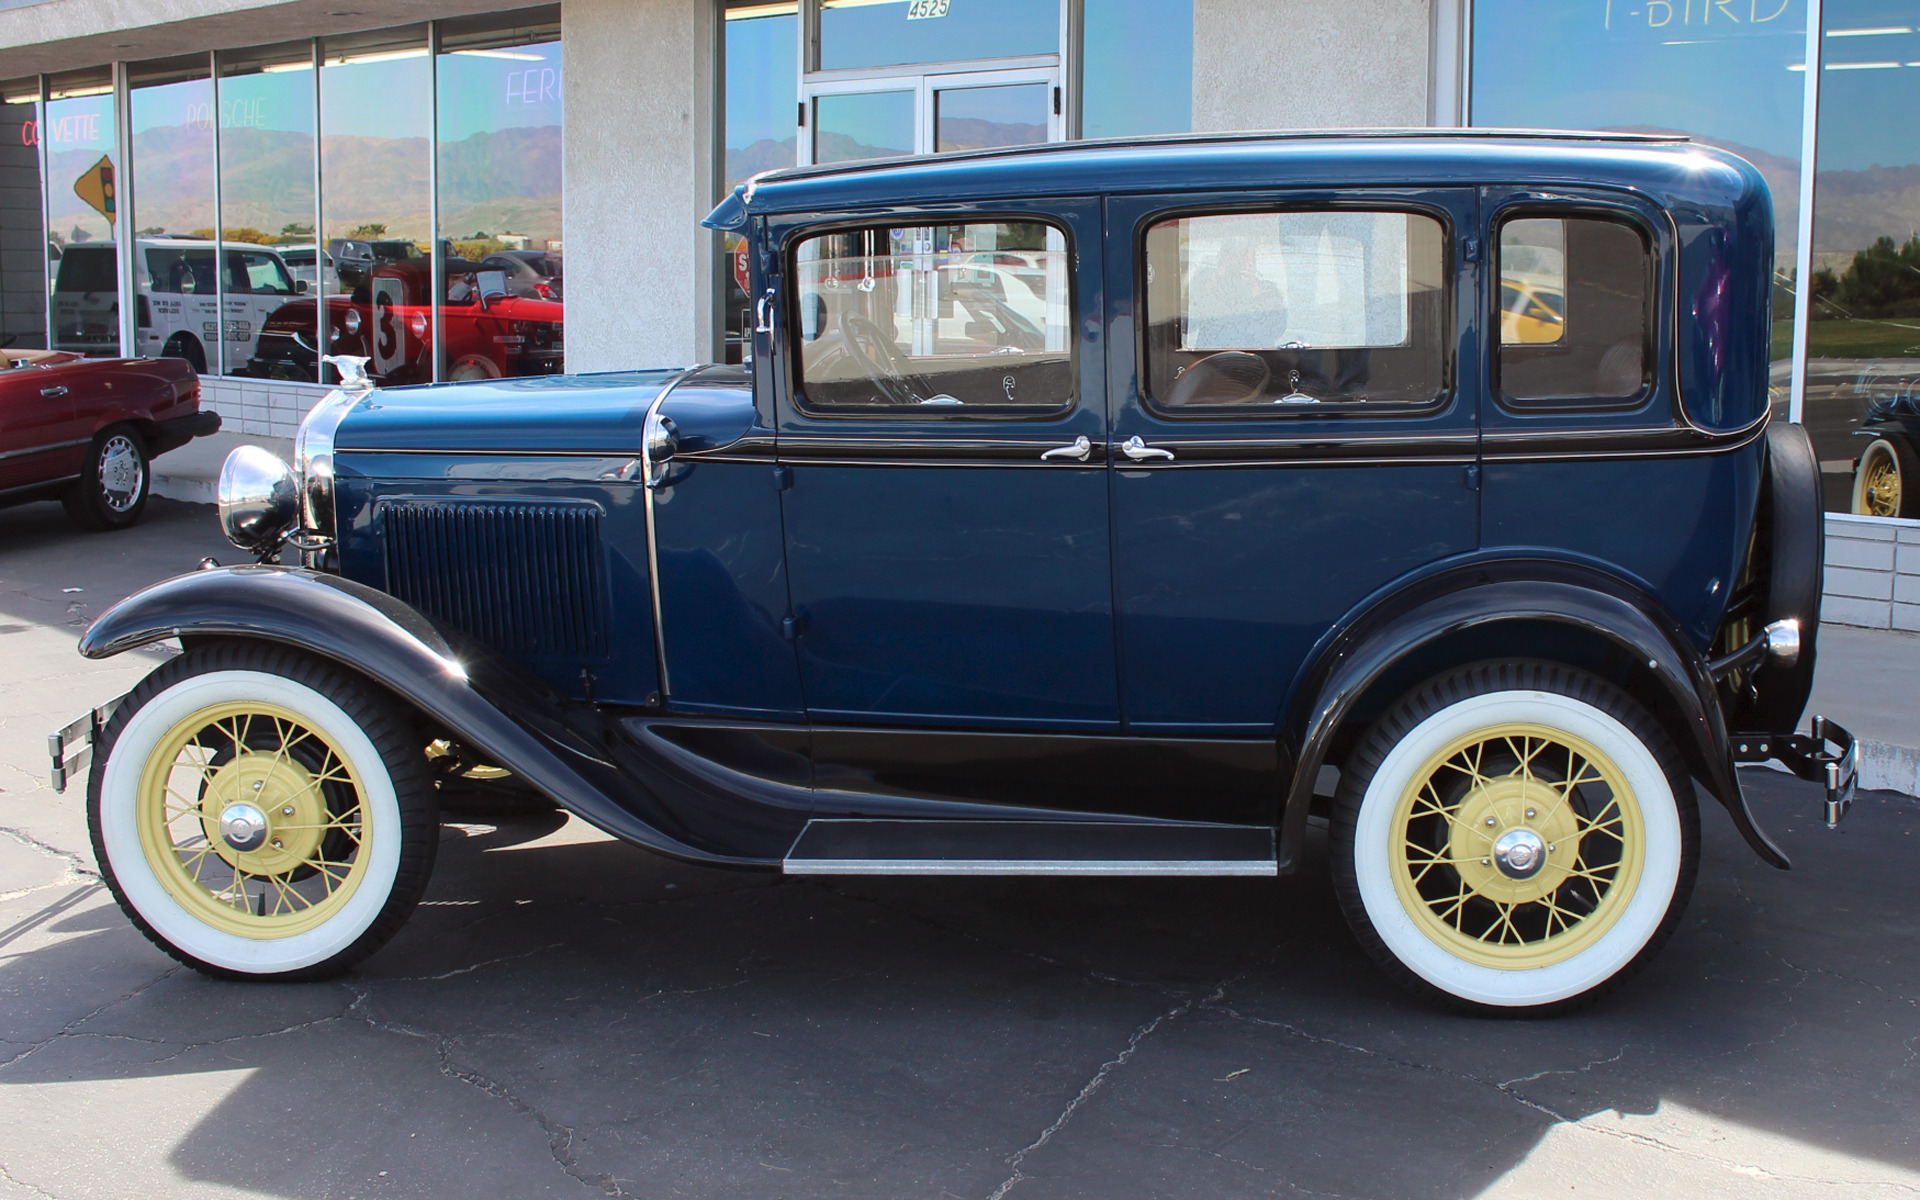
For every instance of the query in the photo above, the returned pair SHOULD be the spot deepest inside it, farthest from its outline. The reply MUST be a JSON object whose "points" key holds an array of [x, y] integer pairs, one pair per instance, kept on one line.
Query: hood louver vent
{"points": [[523, 578]]}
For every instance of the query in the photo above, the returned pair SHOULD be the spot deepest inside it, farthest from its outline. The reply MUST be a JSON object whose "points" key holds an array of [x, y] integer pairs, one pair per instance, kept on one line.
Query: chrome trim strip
{"points": [[4, 455], [653, 535], [1035, 866]]}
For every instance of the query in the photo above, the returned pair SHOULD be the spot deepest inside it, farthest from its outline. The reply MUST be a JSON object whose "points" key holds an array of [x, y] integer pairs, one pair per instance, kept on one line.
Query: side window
{"points": [[1573, 310], [266, 277], [967, 316], [1277, 311]]}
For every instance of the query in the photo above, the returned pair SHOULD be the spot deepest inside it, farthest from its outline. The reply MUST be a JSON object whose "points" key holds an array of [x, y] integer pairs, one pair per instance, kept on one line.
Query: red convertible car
{"points": [[85, 429]]}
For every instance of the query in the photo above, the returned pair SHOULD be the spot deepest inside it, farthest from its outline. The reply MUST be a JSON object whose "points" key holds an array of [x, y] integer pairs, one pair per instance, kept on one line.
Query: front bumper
{"points": [[1827, 754], [71, 747]]}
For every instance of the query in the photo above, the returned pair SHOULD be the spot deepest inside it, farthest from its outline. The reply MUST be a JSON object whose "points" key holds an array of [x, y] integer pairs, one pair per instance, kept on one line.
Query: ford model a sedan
{"points": [[1100, 509]]}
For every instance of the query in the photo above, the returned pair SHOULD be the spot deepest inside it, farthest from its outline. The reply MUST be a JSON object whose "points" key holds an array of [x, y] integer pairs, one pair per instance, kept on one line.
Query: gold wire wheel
{"points": [[253, 820], [1878, 491], [1517, 846]]}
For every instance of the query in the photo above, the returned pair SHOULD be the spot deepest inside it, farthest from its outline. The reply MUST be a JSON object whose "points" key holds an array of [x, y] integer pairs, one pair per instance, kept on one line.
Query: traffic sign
{"points": [[95, 186]]}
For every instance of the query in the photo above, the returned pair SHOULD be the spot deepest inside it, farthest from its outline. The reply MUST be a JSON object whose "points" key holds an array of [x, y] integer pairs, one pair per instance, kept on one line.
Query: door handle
{"points": [[55, 390], [1080, 448], [762, 314], [1139, 451]]}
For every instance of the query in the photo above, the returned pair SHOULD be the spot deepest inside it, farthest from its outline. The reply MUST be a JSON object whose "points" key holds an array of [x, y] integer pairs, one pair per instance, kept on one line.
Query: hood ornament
{"points": [[353, 371]]}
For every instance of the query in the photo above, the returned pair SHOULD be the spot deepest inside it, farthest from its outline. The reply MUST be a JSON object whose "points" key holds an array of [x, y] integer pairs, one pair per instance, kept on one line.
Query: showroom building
{"points": [[461, 177]]}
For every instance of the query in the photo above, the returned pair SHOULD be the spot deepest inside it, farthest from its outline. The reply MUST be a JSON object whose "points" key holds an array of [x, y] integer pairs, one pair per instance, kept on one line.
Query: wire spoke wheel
{"points": [[1517, 845], [252, 820]]}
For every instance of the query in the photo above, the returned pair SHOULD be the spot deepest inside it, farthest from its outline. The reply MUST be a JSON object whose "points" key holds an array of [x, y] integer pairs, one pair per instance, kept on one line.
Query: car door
{"points": [[39, 440], [1294, 429], [946, 503]]}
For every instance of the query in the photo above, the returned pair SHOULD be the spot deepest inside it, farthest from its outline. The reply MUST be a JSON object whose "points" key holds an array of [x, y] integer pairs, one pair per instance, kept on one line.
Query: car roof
{"points": [[1664, 166]]}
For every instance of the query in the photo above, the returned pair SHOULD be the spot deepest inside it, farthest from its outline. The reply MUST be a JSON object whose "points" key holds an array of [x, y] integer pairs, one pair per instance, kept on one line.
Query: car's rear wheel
{"points": [[1514, 838], [472, 367], [187, 347], [1886, 483], [262, 815], [111, 492]]}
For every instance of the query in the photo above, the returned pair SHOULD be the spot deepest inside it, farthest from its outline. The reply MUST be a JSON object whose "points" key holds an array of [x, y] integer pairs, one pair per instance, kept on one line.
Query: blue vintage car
{"points": [[1096, 509]]}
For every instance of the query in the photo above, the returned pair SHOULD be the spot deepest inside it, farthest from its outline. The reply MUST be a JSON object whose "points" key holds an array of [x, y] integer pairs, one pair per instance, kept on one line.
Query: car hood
{"points": [[601, 413]]}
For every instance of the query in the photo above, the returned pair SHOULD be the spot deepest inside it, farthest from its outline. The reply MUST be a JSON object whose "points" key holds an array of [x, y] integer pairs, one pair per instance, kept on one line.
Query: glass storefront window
{"points": [[885, 33], [762, 81], [856, 125], [79, 133], [1863, 332], [1136, 68], [1730, 73], [170, 137], [375, 143], [499, 170], [975, 118], [267, 199], [23, 239]]}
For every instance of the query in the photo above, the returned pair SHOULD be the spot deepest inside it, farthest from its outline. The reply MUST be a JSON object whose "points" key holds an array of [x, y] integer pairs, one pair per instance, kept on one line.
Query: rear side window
{"points": [[1574, 295], [87, 270], [1282, 311], [935, 317]]}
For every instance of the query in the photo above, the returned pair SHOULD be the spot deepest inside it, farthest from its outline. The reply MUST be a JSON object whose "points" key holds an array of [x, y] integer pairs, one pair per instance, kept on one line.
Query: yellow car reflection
{"points": [[1531, 314]]}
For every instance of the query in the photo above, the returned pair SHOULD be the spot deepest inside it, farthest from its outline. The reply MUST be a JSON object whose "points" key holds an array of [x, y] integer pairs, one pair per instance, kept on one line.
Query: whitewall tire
{"points": [[1514, 838], [260, 814]]}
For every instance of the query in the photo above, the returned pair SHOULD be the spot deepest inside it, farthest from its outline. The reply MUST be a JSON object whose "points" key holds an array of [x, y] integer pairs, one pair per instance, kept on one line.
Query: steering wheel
{"points": [[881, 360]]}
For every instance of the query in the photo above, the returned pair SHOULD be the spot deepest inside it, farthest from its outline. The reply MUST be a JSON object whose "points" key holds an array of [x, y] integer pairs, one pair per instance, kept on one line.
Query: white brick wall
{"points": [[260, 407], [1873, 572]]}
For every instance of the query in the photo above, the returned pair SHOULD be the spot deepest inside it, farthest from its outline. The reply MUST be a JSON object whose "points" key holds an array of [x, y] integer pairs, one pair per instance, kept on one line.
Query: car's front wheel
{"points": [[1514, 838], [262, 815], [111, 492]]}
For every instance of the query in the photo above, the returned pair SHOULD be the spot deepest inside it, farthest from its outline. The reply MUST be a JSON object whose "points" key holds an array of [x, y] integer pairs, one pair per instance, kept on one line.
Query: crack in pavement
{"points": [[560, 1138], [1509, 1090], [1099, 1077], [468, 970], [75, 864], [18, 1182], [70, 1026]]}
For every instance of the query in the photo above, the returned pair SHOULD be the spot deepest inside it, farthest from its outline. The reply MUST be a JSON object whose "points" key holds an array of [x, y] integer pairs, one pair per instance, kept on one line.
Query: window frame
{"points": [[790, 319], [1650, 307], [1345, 202]]}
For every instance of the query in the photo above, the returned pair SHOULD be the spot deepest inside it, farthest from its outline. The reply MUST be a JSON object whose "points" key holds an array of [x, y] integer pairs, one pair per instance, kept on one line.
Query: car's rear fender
{"points": [[1506, 609], [572, 752]]}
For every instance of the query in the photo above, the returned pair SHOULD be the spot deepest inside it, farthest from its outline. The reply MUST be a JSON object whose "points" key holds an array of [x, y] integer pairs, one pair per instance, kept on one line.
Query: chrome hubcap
{"points": [[243, 827], [1520, 853], [121, 473]]}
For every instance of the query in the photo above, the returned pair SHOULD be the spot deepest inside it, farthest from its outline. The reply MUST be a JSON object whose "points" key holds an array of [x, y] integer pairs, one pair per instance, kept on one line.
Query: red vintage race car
{"points": [[487, 331], [86, 429]]}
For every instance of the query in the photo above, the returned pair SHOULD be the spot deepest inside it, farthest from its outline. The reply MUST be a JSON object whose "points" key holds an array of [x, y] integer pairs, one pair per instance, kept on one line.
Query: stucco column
{"points": [[638, 171], [1307, 64]]}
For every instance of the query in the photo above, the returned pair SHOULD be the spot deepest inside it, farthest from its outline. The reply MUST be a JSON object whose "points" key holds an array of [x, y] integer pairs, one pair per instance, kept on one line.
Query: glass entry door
{"points": [[882, 117]]}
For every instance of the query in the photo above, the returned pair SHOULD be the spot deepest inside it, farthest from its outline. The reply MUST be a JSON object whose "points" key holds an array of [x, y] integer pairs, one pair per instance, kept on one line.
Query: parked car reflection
{"points": [[533, 273], [488, 332]]}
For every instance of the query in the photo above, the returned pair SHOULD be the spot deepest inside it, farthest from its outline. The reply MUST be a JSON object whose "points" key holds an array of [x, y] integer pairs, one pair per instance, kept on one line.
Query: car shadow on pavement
{"points": [[567, 1015]]}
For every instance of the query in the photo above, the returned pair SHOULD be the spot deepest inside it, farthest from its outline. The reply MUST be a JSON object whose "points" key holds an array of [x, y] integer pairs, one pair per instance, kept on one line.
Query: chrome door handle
{"points": [[762, 318], [1139, 451], [55, 390], [1080, 448]]}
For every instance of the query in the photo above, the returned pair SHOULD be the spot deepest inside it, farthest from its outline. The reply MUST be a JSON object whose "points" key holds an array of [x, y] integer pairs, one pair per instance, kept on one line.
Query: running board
{"points": [[863, 847]]}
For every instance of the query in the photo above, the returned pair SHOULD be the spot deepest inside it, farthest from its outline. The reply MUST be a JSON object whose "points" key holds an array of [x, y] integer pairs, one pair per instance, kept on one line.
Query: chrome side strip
{"points": [[1035, 866], [4, 455], [653, 536]]}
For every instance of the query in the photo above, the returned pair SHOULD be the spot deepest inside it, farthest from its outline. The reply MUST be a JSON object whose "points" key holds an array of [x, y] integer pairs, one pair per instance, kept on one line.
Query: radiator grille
{"points": [[524, 578]]}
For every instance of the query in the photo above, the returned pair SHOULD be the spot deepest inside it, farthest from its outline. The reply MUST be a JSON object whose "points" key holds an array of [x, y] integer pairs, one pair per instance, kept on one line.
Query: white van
{"points": [[174, 287]]}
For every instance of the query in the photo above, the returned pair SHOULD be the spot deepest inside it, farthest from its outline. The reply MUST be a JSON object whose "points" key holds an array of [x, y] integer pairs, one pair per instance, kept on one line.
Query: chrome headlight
{"points": [[258, 500], [313, 461]]}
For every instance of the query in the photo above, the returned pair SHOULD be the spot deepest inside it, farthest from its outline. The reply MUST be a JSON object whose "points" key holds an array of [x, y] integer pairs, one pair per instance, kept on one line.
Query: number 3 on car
{"points": [[1071, 523]]}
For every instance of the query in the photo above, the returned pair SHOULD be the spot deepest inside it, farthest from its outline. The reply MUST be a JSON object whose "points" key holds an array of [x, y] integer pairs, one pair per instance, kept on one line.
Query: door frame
{"points": [[923, 85]]}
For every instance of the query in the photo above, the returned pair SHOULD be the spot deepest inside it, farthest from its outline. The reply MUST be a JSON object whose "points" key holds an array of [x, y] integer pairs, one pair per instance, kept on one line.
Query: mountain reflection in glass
{"points": [[980, 117], [858, 125]]}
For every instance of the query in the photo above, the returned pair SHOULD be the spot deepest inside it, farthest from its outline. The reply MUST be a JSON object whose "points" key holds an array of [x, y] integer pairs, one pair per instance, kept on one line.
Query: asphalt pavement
{"points": [[568, 1016]]}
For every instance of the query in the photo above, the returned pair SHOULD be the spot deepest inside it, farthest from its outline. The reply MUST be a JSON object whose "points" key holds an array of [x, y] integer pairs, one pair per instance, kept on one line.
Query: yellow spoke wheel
{"points": [[1879, 483], [252, 820], [1516, 846]]}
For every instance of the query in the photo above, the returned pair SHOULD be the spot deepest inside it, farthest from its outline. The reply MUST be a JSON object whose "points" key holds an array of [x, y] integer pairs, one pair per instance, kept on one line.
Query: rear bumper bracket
{"points": [[1827, 754]]}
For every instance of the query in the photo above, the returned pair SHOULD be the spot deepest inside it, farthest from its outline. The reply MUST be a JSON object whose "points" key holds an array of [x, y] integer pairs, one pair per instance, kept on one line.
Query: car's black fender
{"points": [[1507, 609], [639, 791]]}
